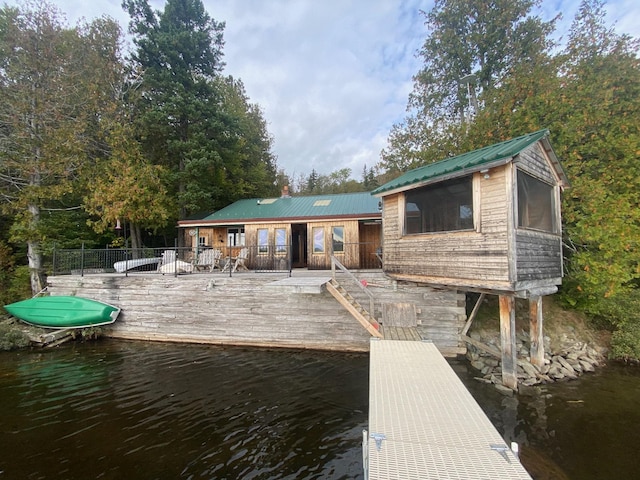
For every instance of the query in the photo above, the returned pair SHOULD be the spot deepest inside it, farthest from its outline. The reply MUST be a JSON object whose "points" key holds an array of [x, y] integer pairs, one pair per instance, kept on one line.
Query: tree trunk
{"points": [[35, 255], [136, 236]]}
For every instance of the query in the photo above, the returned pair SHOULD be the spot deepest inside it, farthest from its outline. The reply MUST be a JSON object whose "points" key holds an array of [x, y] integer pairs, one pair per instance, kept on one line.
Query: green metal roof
{"points": [[284, 208], [463, 164]]}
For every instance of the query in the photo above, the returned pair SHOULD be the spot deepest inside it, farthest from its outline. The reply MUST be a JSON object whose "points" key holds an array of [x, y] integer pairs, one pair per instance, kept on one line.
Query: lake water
{"points": [[114, 410]]}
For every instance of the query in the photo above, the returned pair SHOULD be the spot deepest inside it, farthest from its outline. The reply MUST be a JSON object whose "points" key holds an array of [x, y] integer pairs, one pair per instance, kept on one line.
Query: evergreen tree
{"points": [[195, 123]]}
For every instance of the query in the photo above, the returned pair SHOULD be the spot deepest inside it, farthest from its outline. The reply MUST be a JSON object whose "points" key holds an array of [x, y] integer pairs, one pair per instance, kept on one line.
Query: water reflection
{"points": [[581, 430], [138, 410], [114, 410]]}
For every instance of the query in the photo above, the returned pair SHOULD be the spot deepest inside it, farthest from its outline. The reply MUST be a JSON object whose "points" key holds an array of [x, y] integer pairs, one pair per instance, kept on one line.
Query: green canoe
{"points": [[63, 312]]}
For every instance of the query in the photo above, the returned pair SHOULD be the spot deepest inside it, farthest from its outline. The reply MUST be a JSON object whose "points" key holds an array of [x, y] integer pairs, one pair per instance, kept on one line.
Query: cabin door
{"points": [[299, 245]]}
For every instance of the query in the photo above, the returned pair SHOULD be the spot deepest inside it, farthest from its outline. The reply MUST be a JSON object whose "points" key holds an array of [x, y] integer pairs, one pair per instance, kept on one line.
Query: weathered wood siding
{"points": [[538, 254], [469, 258], [215, 237], [497, 255], [534, 161], [248, 309], [270, 260], [350, 258]]}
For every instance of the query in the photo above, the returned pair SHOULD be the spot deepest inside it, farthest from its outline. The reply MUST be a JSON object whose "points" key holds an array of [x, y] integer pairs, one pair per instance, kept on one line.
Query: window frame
{"points": [[280, 241], [437, 220], [338, 242], [318, 248], [523, 213], [262, 240]]}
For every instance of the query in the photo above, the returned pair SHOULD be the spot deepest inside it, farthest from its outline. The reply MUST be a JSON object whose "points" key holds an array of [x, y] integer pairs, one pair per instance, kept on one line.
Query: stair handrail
{"points": [[336, 263]]}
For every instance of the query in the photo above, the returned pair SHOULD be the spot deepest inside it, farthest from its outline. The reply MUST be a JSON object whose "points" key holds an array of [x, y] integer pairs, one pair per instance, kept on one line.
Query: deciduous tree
{"points": [[54, 82]]}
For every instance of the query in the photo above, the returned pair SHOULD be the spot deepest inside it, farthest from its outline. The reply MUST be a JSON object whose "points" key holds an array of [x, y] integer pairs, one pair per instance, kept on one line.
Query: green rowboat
{"points": [[63, 312]]}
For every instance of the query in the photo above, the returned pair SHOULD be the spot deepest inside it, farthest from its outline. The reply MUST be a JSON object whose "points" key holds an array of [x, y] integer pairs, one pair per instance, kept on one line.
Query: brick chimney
{"points": [[285, 192]]}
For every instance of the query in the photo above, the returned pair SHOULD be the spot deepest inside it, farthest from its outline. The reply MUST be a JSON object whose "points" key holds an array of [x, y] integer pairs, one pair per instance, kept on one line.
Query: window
{"points": [[281, 240], [536, 206], [318, 239], [263, 240], [337, 238], [235, 237], [202, 241], [443, 207]]}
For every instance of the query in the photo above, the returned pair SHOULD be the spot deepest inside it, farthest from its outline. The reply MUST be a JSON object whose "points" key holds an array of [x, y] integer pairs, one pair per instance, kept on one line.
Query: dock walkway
{"points": [[424, 423]]}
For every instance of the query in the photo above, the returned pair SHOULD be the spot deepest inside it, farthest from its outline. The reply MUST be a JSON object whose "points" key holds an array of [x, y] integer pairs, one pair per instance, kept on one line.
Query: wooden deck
{"points": [[423, 422], [401, 333]]}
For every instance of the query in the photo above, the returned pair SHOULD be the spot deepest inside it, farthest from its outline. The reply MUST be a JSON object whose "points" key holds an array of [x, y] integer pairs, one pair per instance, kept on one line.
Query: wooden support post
{"points": [[508, 341], [536, 331], [474, 312]]}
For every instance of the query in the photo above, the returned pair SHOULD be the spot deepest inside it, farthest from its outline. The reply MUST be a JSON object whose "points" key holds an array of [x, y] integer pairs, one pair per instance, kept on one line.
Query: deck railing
{"points": [[171, 260], [179, 260]]}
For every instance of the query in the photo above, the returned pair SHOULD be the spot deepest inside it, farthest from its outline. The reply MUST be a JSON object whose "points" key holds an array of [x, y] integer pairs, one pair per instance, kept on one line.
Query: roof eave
{"points": [[244, 221], [447, 176]]}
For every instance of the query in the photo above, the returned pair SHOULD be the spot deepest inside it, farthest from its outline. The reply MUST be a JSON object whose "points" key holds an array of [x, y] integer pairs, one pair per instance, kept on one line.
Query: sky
{"points": [[331, 76]]}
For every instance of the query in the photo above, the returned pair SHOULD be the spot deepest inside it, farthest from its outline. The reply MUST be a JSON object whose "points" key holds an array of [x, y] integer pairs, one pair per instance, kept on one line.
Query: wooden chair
{"points": [[167, 257], [208, 259], [240, 259], [238, 262]]}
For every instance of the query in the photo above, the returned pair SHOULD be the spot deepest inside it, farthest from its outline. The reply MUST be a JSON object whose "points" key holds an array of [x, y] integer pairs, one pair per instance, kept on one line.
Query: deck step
{"points": [[354, 308]]}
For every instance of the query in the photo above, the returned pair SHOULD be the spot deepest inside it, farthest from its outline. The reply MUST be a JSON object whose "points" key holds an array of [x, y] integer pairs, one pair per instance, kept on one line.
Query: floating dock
{"points": [[423, 422]]}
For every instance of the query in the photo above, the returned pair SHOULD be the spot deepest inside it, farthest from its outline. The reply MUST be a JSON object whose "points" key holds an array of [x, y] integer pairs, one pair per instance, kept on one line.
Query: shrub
{"points": [[11, 337], [622, 313]]}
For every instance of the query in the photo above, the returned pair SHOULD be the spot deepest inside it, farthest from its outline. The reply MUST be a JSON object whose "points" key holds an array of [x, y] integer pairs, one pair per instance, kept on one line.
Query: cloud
{"points": [[331, 77]]}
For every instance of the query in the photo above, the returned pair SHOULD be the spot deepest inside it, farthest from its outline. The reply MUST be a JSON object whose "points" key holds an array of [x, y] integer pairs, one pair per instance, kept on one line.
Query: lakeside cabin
{"points": [[485, 221], [309, 229]]}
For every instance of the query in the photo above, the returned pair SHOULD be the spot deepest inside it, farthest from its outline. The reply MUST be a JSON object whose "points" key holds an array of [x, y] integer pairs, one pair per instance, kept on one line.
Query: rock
{"points": [[556, 371], [529, 369], [570, 374], [482, 380], [478, 365], [544, 369], [491, 362], [506, 391], [566, 365], [574, 354], [586, 366]]}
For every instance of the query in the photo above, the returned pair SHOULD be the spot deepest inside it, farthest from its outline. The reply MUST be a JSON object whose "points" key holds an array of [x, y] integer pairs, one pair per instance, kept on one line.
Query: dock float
{"points": [[424, 423]]}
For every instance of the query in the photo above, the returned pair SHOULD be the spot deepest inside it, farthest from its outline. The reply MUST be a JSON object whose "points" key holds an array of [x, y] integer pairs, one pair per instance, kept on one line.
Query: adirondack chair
{"points": [[170, 264], [240, 259], [208, 260], [237, 262]]}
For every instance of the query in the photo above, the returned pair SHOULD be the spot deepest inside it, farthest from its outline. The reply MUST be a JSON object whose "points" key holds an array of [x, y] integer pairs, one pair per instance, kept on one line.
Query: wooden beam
{"points": [[536, 331], [508, 341], [474, 312]]}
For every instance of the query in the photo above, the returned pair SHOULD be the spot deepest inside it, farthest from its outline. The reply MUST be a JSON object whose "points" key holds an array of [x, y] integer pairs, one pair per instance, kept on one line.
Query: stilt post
{"points": [[508, 341], [536, 331]]}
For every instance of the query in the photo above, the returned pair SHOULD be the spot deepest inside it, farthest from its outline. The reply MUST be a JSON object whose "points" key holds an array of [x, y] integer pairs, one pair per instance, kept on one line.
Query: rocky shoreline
{"points": [[567, 361]]}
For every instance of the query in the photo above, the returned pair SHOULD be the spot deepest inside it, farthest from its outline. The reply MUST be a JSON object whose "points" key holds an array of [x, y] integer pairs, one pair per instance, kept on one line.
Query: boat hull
{"points": [[63, 312], [137, 263]]}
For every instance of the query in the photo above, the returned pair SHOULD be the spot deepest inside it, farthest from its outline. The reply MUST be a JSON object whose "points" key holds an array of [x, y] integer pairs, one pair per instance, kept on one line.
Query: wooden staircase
{"points": [[365, 318]]}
